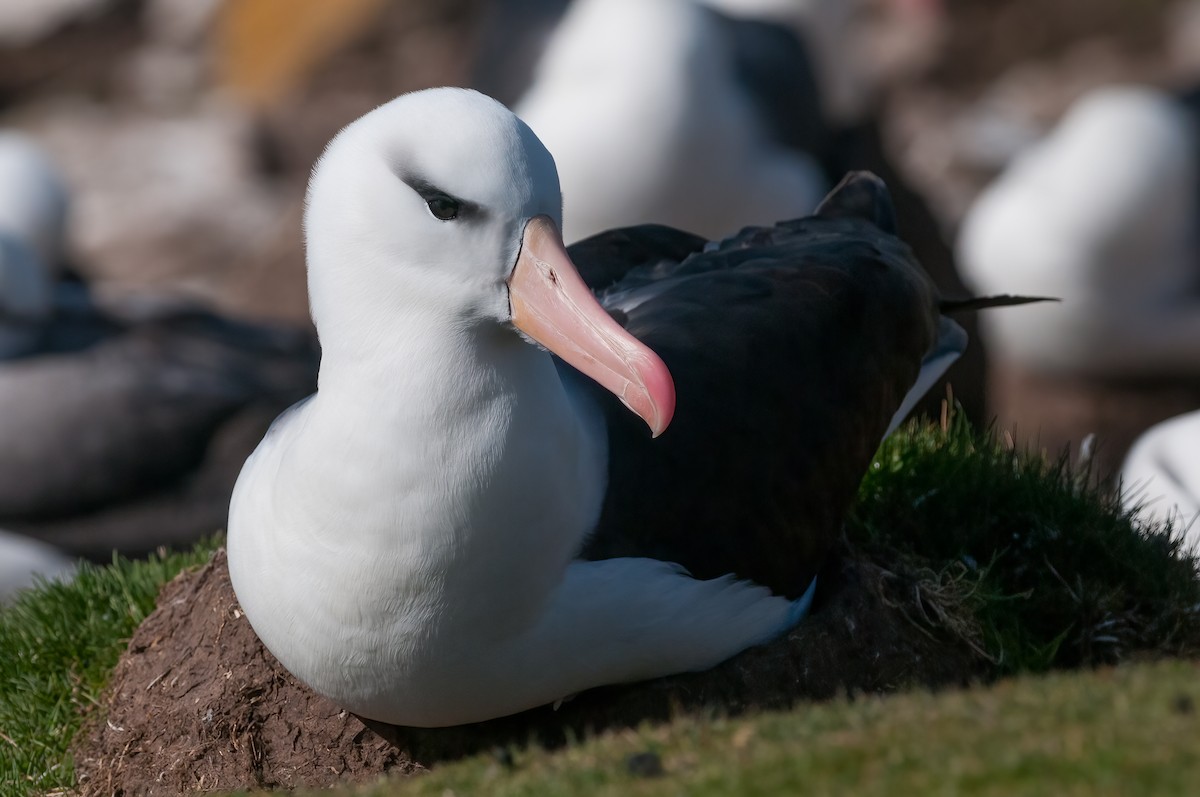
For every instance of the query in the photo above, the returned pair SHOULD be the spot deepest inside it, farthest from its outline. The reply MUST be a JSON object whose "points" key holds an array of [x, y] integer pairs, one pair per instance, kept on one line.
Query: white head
{"points": [[442, 208], [375, 246]]}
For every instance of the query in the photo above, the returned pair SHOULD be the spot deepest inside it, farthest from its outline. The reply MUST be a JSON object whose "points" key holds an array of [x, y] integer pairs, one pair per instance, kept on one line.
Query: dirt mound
{"points": [[197, 703]]}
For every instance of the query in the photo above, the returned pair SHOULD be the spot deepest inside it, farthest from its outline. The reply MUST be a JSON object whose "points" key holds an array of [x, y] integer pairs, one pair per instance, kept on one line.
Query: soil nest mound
{"points": [[198, 704]]}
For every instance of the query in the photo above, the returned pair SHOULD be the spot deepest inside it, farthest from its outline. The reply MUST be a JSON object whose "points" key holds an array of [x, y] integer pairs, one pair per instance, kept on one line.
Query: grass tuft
{"points": [[60, 643], [1038, 565]]}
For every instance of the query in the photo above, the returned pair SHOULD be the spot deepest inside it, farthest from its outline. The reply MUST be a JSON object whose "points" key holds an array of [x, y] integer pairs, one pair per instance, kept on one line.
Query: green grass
{"points": [[59, 644], [1034, 566], [1052, 571], [1132, 730]]}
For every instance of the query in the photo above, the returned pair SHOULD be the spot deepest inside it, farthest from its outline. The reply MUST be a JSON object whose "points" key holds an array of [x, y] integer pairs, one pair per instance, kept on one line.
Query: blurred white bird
{"points": [[1103, 214], [836, 33], [665, 111], [33, 209], [1162, 475], [33, 198], [22, 560]]}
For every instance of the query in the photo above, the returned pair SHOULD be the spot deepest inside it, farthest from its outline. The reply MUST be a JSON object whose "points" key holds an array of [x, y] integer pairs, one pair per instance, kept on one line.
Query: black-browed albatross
{"points": [[408, 540]]}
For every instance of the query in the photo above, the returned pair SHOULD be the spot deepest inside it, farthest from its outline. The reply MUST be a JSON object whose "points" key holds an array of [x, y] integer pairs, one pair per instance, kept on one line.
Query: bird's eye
{"points": [[443, 207]]}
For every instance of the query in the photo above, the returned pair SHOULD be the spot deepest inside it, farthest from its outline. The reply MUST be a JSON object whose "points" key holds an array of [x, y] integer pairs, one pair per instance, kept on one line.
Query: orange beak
{"points": [[552, 304]]}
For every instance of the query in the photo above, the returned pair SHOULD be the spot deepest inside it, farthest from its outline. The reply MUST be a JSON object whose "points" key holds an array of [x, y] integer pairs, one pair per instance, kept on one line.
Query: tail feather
{"points": [[984, 302]]}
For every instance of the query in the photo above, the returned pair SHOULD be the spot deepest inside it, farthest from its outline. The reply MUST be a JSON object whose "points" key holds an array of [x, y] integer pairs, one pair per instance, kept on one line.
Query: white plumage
{"points": [[1162, 476], [33, 206], [1102, 214], [22, 560], [639, 103]]}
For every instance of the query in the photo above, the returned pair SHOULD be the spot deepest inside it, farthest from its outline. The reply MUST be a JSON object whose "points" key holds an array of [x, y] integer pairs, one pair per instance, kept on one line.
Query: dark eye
{"points": [[443, 207]]}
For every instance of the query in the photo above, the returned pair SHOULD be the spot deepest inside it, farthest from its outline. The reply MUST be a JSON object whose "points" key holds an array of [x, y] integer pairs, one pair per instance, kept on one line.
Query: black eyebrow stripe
{"points": [[427, 191]]}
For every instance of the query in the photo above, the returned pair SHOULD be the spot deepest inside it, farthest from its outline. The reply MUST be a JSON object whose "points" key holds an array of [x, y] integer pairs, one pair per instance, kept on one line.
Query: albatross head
{"points": [[442, 205]]}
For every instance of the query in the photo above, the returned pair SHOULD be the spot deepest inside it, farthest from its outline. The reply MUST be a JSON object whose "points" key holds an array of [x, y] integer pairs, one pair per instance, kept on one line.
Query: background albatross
{"points": [[407, 540]]}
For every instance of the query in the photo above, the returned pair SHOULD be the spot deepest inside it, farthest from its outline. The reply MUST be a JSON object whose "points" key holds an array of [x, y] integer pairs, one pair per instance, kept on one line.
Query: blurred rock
{"points": [[1183, 36], [165, 202], [81, 58], [23, 22], [1010, 71], [174, 66], [267, 49]]}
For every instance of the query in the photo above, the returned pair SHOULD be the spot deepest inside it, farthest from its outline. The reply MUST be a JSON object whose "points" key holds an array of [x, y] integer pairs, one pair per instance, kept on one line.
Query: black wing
{"points": [[791, 348], [605, 259]]}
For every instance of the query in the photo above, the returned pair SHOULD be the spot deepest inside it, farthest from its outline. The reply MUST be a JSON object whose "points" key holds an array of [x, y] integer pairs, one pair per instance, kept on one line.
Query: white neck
{"points": [[443, 468]]}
